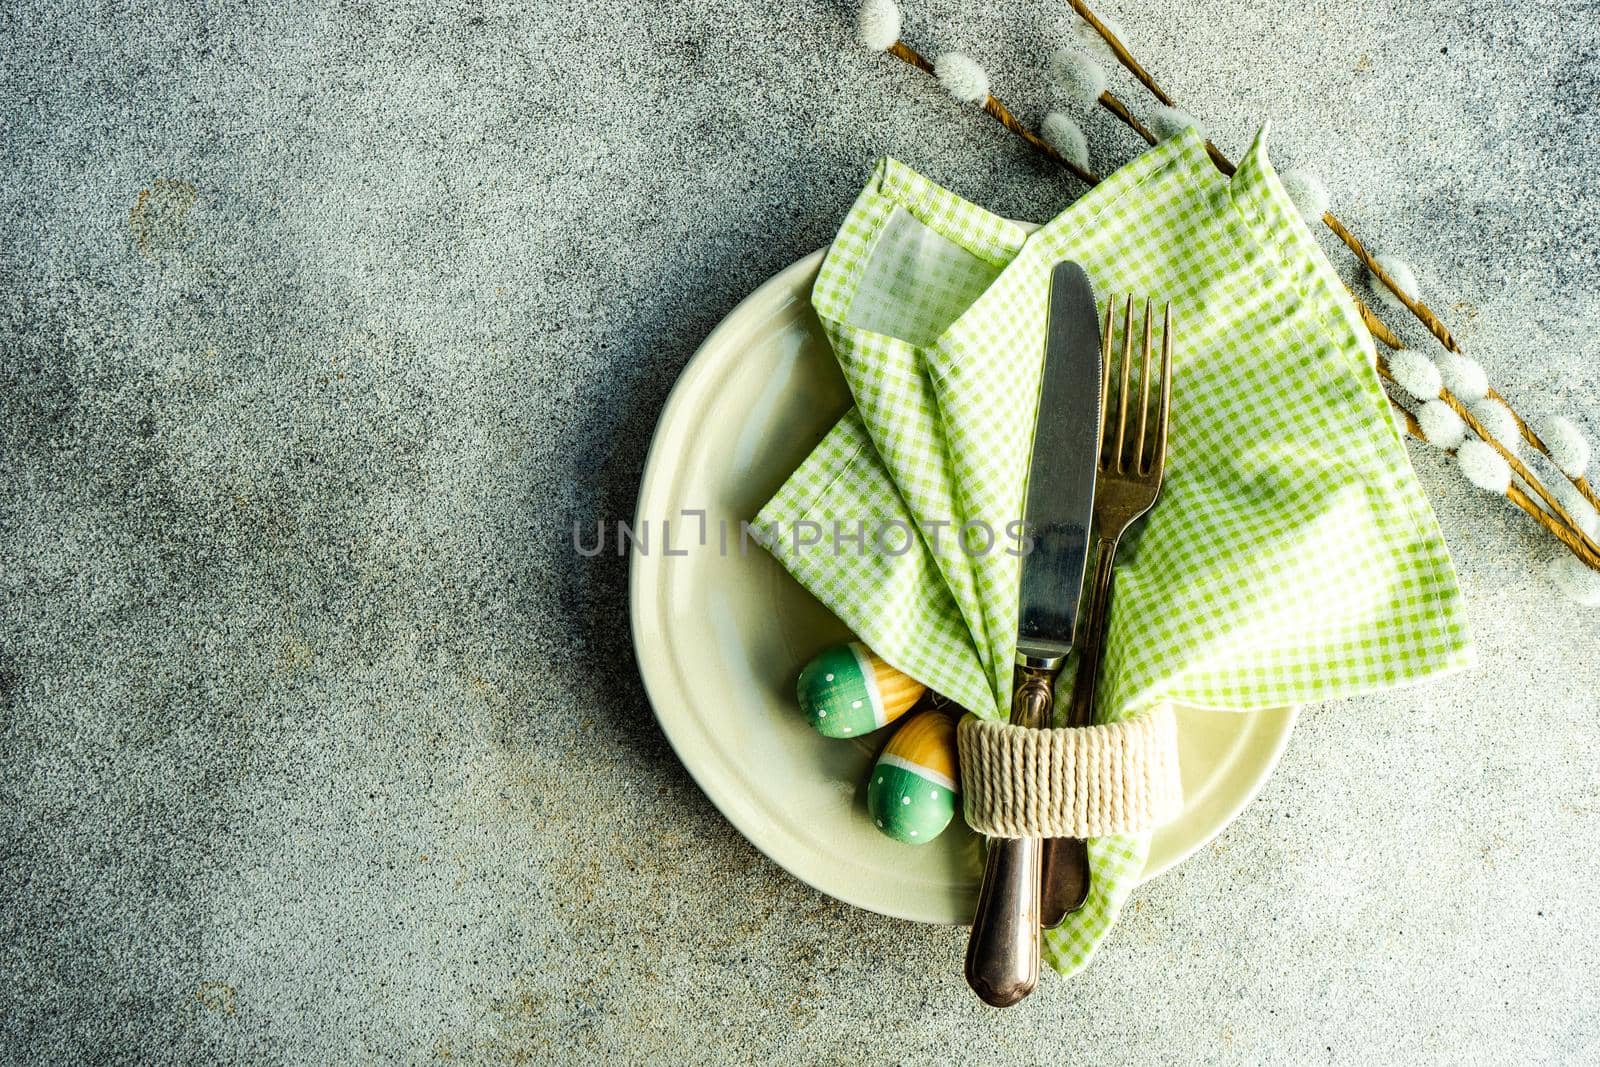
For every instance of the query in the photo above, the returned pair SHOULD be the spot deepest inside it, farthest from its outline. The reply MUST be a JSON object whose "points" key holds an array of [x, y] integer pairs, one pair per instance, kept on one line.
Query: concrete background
{"points": [[322, 322]]}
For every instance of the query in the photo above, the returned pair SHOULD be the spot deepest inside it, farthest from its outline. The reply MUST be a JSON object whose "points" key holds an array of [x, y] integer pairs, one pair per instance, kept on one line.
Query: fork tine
{"points": [[1166, 392], [1122, 388], [1139, 464]]}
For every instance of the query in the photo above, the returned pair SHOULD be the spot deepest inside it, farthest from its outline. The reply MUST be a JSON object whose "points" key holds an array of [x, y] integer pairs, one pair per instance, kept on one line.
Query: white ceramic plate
{"points": [[721, 636]]}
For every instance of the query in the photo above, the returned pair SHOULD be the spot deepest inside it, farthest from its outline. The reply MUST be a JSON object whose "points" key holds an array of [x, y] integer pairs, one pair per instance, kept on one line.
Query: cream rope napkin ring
{"points": [[1091, 781]]}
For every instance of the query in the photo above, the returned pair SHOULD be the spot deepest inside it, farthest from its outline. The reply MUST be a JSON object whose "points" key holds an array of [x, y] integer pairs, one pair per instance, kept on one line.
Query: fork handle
{"points": [[1080, 711], [1065, 882]]}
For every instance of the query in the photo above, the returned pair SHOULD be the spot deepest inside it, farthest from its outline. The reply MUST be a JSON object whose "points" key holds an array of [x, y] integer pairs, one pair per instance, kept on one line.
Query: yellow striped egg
{"points": [[848, 691], [912, 793]]}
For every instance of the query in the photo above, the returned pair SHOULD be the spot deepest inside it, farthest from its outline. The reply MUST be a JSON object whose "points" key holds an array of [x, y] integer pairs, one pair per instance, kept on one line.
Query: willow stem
{"points": [[1376, 326], [1109, 101], [1423, 313], [1124, 56]]}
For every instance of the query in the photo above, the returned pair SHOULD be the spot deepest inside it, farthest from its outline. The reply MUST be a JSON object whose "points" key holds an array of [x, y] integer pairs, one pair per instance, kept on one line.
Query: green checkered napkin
{"points": [[1291, 557]]}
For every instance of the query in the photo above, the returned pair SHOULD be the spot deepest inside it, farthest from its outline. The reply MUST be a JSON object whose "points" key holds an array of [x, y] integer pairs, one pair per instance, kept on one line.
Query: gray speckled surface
{"points": [[322, 322]]}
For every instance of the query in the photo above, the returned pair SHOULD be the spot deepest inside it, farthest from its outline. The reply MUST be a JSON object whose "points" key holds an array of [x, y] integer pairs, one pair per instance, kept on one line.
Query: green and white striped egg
{"points": [[912, 793], [848, 691]]}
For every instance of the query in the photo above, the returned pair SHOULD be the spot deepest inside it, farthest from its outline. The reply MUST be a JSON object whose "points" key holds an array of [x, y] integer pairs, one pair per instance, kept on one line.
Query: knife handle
{"points": [[1003, 952], [1003, 955]]}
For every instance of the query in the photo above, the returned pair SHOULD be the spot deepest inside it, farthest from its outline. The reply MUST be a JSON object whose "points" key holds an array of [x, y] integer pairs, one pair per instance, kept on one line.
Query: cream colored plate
{"points": [[720, 637]]}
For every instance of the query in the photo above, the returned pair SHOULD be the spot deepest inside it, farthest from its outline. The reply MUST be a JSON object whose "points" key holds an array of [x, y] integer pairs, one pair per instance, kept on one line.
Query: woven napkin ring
{"points": [[1091, 781]]}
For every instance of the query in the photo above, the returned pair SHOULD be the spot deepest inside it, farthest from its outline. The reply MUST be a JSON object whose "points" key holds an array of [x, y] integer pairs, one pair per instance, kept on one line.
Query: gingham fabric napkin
{"points": [[1291, 557]]}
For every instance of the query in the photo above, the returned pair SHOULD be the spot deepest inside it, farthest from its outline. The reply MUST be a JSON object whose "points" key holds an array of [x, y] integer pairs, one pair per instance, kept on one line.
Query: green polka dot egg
{"points": [[912, 793], [848, 691]]}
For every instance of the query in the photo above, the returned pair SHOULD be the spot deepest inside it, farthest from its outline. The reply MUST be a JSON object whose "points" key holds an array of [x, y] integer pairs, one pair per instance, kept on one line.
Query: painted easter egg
{"points": [[848, 691], [912, 793]]}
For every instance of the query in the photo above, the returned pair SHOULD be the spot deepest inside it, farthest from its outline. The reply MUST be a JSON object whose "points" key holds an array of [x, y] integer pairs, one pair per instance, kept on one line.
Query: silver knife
{"points": [[1003, 953]]}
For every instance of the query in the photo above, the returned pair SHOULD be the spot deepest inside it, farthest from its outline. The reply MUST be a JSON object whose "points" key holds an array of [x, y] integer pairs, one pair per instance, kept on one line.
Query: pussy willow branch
{"points": [[1591, 550], [1580, 548], [1423, 313], [1001, 114], [1556, 520]]}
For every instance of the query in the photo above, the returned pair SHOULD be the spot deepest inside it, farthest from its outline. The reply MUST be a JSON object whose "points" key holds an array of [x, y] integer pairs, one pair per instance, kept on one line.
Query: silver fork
{"points": [[1128, 483]]}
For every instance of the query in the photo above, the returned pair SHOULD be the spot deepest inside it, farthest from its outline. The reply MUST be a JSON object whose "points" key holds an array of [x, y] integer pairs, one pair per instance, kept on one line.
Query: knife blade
{"points": [[1061, 472], [1003, 952]]}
